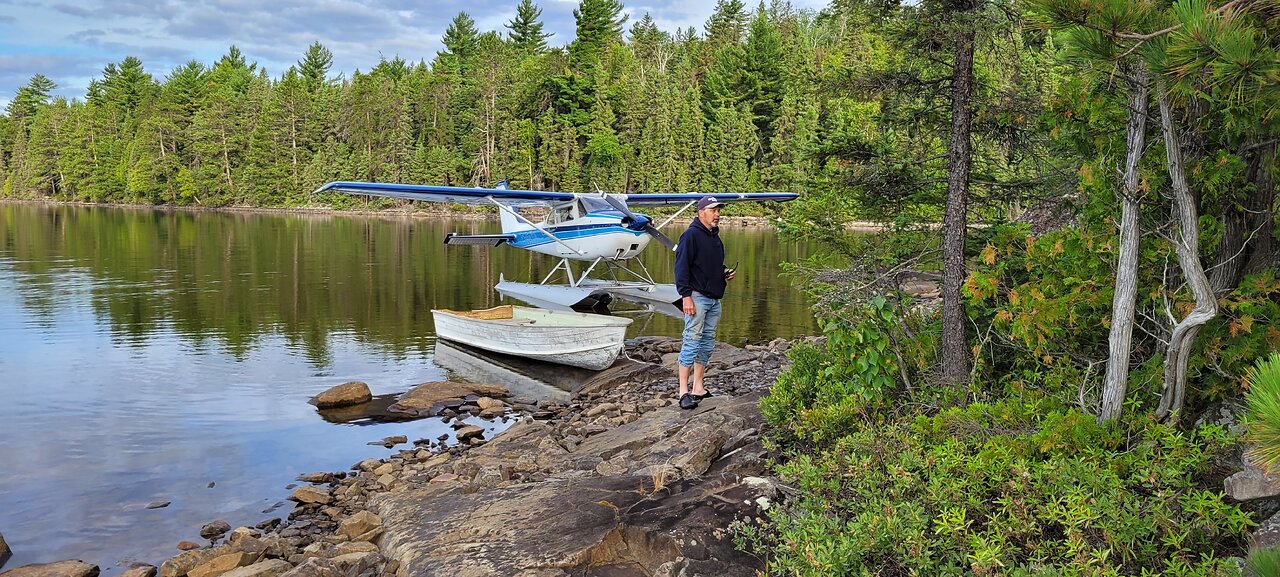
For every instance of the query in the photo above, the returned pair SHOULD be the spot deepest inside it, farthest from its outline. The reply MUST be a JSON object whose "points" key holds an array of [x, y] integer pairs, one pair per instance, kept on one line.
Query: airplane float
{"points": [[597, 228]]}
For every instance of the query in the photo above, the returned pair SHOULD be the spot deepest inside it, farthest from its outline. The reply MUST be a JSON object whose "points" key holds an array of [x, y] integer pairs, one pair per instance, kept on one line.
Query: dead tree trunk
{"points": [[1187, 244], [1120, 339]]}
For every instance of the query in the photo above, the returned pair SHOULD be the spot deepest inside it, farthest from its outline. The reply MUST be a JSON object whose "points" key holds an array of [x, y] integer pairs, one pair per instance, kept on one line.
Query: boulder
{"points": [[70, 568], [182, 563], [214, 529], [363, 526], [5, 552], [357, 563], [140, 570], [314, 478], [221, 564], [309, 494], [1267, 535], [468, 432], [725, 357], [1251, 483], [429, 398], [316, 567], [344, 395]]}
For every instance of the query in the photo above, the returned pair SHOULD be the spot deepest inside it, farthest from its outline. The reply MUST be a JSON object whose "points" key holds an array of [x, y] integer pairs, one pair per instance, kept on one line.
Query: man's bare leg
{"points": [[699, 370], [684, 379]]}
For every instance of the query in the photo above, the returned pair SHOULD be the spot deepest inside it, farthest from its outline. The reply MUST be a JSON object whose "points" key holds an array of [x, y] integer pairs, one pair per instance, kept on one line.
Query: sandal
{"points": [[688, 401]]}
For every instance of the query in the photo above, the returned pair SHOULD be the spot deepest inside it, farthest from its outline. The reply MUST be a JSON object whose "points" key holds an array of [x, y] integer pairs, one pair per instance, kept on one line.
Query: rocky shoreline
{"points": [[616, 481]]}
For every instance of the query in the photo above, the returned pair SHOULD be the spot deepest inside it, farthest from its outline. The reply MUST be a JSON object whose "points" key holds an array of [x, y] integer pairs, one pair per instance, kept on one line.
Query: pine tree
{"points": [[315, 65], [460, 40], [760, 83], [648, 43], [604, 153], [124, 87], [29, 98], [599, 23], [526, 29], [727, 23]]}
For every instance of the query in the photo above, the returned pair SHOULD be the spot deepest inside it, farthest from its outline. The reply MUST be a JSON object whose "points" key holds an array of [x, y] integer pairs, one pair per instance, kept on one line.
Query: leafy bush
{"points": [[855, 374], [1263, 399], [1005, 489]]}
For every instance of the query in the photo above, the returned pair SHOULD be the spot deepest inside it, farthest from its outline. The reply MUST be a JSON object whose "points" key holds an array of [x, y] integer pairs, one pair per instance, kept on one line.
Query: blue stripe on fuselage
{"points": [[532, 238]]}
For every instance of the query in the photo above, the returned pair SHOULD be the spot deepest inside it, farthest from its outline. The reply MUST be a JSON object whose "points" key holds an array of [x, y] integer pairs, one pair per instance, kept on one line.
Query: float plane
{"points": [[596, 228]]}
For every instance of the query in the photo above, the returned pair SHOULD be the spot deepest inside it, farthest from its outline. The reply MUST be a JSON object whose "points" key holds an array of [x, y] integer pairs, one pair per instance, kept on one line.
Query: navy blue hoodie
{"points": [[700, 261]]}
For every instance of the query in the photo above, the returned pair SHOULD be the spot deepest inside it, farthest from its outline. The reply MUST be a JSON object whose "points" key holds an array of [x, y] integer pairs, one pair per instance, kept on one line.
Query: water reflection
{"points": [[523, 377], [148, 353]]}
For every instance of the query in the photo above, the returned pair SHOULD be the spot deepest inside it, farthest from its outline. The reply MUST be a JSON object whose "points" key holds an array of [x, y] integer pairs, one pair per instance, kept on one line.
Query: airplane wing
{"points": [[725, 197], [451, 194]]}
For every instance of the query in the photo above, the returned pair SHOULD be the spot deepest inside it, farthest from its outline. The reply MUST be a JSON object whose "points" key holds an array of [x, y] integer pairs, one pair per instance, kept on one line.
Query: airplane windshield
{"points": [[590, 204]]}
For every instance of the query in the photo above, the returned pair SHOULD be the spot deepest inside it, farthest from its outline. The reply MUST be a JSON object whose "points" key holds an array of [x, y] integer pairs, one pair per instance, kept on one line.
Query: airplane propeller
{"points": [[645, 223]]}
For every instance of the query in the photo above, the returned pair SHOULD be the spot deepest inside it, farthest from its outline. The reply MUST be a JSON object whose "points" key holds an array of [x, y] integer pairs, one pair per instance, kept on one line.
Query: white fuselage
{"points": [[578, 232]]}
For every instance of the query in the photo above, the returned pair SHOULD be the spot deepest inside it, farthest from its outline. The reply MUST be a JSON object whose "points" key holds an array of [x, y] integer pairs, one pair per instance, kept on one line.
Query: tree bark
{"points": [[955, 349], [1187, 245], [1247, 245], [1120, 339]]}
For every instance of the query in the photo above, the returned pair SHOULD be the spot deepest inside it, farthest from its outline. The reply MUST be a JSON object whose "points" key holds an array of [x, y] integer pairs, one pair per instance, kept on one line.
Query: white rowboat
{"points": [[577, 339]]}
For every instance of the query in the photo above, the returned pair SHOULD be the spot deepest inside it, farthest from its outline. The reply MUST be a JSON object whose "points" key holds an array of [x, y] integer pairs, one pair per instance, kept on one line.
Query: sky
{"points": [[70, 41]]}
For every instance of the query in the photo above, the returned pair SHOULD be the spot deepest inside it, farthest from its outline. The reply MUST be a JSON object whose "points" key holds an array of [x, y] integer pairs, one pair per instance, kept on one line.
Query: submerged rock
{"points": [[344, 395], [430, 399]]}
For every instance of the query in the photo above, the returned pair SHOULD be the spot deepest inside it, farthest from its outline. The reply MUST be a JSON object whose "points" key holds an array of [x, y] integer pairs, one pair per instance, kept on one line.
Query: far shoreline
{"points": [[435, 211]]}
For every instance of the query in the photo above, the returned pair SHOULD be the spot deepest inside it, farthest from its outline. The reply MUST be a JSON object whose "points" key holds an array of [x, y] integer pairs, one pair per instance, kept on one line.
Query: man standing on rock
{"points": [[701, 278]]}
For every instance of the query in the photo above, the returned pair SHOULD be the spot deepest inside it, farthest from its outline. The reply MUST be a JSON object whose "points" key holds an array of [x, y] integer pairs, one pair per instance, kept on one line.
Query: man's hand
{"points": [[689, 309], [729, 274]]}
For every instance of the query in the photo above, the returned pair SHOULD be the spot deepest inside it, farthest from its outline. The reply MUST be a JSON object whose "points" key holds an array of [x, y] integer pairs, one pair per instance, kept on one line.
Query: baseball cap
{"points": [[708, 202]]}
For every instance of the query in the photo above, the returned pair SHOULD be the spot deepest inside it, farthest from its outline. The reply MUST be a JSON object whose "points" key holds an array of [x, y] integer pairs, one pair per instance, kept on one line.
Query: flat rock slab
{"points": [[666, 504], [426, 396], [622, 372], [58, 569]]}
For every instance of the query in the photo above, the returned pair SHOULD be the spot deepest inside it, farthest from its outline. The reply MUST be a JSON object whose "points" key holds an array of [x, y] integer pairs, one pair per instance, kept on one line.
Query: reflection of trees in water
{"points": [[227, 280]]}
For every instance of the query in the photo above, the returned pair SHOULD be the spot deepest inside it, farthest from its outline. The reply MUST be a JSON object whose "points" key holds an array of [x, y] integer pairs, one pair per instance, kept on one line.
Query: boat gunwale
{"points": [[597, 321]]}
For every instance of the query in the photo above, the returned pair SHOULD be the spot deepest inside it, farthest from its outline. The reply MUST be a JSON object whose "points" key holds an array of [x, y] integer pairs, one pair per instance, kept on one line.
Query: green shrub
{"points": [[1005, 489], [1263, 399]]}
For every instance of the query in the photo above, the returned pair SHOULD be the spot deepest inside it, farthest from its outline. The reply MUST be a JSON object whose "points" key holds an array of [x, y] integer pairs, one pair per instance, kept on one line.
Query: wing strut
{"points": [[673, 217], [504, 208]]}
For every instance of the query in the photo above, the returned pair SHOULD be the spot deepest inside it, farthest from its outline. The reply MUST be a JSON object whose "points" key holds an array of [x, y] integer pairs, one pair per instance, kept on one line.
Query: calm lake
{"points": [[153, 355]]}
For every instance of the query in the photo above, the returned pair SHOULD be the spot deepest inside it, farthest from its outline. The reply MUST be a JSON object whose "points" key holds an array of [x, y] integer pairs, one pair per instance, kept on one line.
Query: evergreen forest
{"points": [[1085, 190]]}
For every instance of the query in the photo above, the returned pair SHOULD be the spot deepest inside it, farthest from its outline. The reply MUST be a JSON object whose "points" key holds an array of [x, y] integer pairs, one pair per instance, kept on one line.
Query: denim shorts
{"points": [[699, 337]]}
